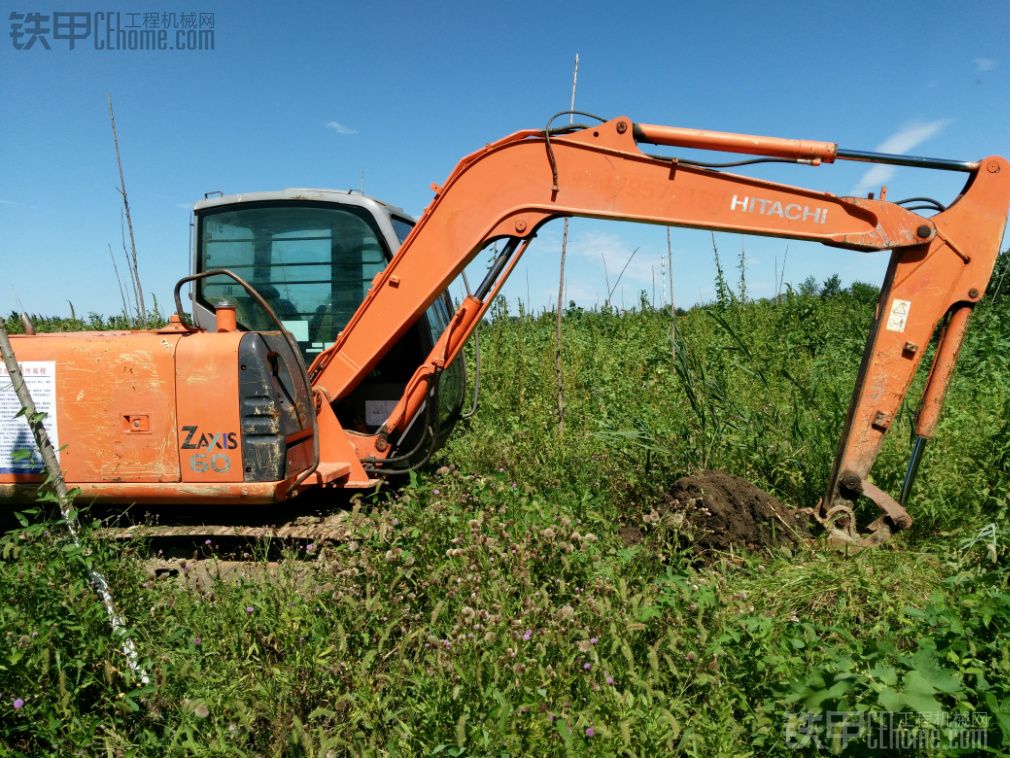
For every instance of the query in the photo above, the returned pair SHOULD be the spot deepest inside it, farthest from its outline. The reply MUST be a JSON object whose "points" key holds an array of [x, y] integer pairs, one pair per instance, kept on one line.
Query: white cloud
{"points": [[9, 202], [911, 135], [985, 64], [903, 140], [340, 128], [600, 246]]}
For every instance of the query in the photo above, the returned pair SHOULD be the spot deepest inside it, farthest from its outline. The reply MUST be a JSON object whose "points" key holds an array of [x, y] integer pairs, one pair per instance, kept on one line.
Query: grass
{"points": [[491, 607]]}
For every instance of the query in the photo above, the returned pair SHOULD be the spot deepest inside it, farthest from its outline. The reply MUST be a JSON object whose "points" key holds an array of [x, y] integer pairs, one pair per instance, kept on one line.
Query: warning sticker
{"points": [[15, 436], [898, 316]]}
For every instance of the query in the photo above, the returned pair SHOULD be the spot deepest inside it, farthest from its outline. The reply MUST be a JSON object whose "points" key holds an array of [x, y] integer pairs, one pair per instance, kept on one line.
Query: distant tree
{"points": [[832, 286], [809, 286], [863, 292]]}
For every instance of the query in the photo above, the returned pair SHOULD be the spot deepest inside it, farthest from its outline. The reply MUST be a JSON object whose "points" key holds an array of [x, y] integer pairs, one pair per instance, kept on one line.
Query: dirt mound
{"points": [[716, 511]]}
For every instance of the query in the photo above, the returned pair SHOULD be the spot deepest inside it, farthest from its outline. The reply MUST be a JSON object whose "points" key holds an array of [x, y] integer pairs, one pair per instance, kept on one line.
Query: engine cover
{"points": [[161, 416]]}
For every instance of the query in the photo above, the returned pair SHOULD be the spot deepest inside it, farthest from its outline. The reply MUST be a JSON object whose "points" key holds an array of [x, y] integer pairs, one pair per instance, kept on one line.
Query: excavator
{"points": [[322, 353]]}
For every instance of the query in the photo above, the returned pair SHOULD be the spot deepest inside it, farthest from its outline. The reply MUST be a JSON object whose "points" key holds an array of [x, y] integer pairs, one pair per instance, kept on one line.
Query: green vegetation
{"points": [[492, 606], [94, 321]]}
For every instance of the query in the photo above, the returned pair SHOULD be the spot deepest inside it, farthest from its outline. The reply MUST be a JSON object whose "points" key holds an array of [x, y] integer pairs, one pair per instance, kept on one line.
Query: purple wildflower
{"points": [[310, 547], [436, 491], [198, 640], [527, 634], [207, 542], [18, 704], [249, 610], [593, 640], [590, 732], [587, 665], [610, 679]]}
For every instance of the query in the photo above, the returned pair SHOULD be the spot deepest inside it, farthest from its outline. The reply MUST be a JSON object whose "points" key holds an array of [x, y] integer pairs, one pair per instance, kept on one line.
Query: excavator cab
{"points": [[312, 255]]}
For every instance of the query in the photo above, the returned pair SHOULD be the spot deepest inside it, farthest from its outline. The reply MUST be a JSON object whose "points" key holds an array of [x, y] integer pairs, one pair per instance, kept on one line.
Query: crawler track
{"points": [[203, 542], [299, 523]]}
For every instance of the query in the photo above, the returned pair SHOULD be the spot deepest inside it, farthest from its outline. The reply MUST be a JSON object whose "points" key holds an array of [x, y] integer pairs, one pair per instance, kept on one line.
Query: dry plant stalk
{"points": [[673, 310], [132, 259], [561, 287]]}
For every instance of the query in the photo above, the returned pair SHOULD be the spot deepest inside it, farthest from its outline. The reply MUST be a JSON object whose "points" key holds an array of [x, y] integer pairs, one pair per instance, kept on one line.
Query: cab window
{"points": [[314, 266]]}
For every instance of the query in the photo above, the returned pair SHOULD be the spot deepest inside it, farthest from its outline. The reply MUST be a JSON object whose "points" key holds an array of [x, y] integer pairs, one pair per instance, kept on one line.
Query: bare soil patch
{"points": [[713, 511], [720, 511]]}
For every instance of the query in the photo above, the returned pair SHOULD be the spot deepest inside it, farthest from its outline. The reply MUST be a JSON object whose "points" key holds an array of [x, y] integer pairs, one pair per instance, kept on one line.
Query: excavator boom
{"points": [[939, 268]]}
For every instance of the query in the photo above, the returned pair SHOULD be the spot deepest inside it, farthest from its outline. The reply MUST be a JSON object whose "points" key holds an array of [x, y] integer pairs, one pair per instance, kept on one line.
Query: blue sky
{"points": [[321, 94]]}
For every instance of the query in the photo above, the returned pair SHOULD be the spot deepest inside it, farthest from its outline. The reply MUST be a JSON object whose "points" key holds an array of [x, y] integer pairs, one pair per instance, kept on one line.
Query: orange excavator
{"points": [[224, 411]]}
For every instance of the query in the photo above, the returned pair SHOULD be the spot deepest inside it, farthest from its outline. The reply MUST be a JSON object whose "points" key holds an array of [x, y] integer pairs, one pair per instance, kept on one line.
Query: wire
{"points": [[430, 408], [731, 164], [393, 470], [935, 205], [565, 130], [571, 127]]}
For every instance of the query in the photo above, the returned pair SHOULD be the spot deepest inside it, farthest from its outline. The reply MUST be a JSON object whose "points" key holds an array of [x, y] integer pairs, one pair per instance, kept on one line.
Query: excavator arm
{"points": [[939, 268]]}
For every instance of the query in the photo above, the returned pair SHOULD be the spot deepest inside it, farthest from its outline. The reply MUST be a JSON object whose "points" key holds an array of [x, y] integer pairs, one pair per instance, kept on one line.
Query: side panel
{"points": [[208, 427], [115, 404]]}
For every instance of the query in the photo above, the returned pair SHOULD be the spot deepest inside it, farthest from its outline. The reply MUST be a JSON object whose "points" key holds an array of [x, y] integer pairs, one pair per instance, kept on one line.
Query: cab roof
{"points": [[337, 197]]}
